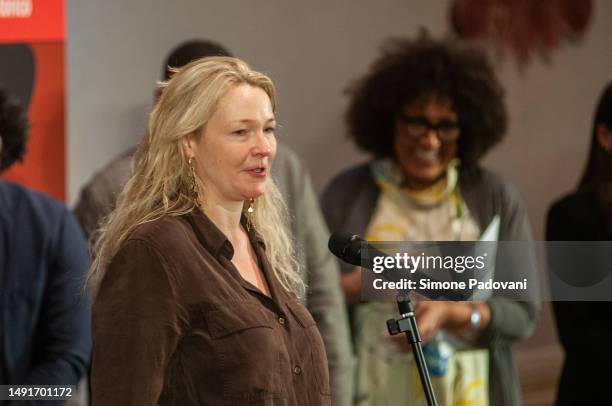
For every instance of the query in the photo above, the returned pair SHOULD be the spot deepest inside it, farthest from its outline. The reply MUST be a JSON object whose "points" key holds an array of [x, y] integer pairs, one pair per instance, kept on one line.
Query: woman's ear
{"points": [[604, 137], [189, 146]]}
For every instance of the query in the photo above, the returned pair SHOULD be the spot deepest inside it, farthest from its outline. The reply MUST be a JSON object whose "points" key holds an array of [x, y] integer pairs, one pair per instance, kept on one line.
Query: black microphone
{"points": [[348, 247]]}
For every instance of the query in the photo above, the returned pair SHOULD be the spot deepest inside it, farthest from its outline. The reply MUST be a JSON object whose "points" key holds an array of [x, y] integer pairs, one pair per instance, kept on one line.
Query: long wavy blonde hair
{"points": [[161, 185]]}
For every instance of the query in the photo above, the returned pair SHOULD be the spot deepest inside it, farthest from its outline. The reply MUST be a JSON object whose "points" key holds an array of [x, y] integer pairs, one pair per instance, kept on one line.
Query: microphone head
{"points": [[346, 246]]}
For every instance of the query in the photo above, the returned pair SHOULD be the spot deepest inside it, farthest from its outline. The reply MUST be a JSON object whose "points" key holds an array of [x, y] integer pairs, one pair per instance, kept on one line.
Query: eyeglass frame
{"points": [[443, 125]]}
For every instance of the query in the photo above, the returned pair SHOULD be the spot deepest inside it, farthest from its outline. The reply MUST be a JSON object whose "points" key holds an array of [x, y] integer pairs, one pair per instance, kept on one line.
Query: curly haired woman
{"points": [[427, 112]]}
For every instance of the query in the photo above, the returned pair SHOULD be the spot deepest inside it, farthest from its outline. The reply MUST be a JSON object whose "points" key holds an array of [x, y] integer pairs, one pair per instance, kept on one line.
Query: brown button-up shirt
{"points": [[174, 323]]}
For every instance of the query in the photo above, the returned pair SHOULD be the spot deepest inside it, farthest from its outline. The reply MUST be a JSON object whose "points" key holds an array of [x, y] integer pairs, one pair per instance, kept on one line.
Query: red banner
{"points": [[32, 70], [32, 21]]}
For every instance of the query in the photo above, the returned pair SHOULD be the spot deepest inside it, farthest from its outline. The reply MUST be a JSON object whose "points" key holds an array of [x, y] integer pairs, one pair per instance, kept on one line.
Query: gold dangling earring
{"points": [[194, 184], [250, 214], [251, 209]]}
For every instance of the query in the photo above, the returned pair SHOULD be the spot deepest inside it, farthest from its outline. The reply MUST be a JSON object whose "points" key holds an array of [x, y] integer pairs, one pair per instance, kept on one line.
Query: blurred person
{"points": [[318, 268], [586, 215], [99, 196], [44, 323], [195, 282], [427, 112]]}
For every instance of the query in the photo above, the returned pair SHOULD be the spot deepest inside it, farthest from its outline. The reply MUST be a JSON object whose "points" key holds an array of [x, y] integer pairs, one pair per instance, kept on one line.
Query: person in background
{"points": [[99, 196], [427, 112], [195, 281], [44, 318], [318, 268], [586, 215]]}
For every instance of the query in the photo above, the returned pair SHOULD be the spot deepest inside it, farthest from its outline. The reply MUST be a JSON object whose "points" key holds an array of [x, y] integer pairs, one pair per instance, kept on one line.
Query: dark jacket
{"points": [[45, 319], [349, 202], [584, 327]]}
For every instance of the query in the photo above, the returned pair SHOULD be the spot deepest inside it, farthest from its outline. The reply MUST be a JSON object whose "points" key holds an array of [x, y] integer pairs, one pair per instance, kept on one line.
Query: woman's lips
{"points": [[258, 172], [426, 156]]}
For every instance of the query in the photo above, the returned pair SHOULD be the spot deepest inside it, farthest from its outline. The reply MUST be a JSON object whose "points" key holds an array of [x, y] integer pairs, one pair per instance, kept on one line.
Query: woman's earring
{"points": [[194, 184], [250, 213], [251, 209]]}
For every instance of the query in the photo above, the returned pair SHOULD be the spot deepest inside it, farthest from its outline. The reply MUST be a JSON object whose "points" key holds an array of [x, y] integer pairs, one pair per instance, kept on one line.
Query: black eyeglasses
{"points": [[416, 127]]}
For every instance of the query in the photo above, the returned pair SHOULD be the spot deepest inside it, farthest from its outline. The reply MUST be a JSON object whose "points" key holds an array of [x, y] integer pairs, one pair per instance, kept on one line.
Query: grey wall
{"points": [[551, 112], [312, 50]]}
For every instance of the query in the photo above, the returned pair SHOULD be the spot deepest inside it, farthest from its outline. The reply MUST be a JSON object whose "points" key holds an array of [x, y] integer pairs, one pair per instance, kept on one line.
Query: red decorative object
{"points": [[522, 27]]}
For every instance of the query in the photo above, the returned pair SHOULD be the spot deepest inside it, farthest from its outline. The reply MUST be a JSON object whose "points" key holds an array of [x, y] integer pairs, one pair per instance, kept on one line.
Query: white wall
{"points": [[312, 50]]}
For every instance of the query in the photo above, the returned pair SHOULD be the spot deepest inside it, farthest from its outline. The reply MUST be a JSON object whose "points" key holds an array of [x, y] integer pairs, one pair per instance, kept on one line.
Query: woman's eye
{"points": [[240, 132], [417, 127], [270, 129]]}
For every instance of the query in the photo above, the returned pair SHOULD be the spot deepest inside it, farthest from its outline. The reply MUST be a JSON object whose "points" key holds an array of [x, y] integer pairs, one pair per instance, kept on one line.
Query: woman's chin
{"points": [[253, 193], [423, 177]]}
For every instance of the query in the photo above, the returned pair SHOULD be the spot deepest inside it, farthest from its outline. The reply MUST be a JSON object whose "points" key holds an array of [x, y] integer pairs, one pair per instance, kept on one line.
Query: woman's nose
{"points": [[263, 145], [430, 140]]}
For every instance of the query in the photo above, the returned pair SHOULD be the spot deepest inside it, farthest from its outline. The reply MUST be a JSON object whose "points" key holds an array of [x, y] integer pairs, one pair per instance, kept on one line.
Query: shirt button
{"points": [[281, 320], [297, 370]]}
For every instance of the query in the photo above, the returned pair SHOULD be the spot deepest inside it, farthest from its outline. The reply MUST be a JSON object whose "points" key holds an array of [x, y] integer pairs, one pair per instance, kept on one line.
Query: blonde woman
{"points": [[195, 282]]}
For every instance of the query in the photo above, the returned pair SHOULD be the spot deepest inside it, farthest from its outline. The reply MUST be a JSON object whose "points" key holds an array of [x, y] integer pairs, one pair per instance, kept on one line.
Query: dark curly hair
{"points": [[14, 128], [410, 70]]}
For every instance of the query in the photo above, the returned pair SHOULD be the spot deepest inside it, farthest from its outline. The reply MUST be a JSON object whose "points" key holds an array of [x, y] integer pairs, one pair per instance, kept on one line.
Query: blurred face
{"points": [[425, 140], [233, 155], [604, 137]]}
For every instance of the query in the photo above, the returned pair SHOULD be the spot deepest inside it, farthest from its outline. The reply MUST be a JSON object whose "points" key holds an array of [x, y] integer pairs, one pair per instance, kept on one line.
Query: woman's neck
{"points": [[419, 186], [226, 216]]}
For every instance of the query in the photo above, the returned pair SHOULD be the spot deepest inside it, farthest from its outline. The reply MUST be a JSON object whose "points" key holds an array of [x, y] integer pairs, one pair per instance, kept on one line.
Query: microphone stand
{"points": [[348, 248], [407, 324]]}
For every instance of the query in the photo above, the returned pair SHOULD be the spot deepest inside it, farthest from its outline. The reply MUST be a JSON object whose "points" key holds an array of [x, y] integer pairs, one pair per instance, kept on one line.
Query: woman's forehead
{"points": [[438, 102], [244, 103]]}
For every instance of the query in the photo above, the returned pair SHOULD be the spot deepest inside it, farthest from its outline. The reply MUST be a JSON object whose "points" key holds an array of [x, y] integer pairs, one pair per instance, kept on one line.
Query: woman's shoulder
{"points": [[579, 207], [161, 246], [347, 183], [574, 201], [353, 188], [350, 176], [487, 187], [484, 178], [166, 234], [488, 194]]}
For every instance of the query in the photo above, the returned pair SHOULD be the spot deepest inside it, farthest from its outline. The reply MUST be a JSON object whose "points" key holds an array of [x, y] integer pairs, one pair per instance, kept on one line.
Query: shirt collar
{"points": [[213, 238], [389, 177], [254, 236]]}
